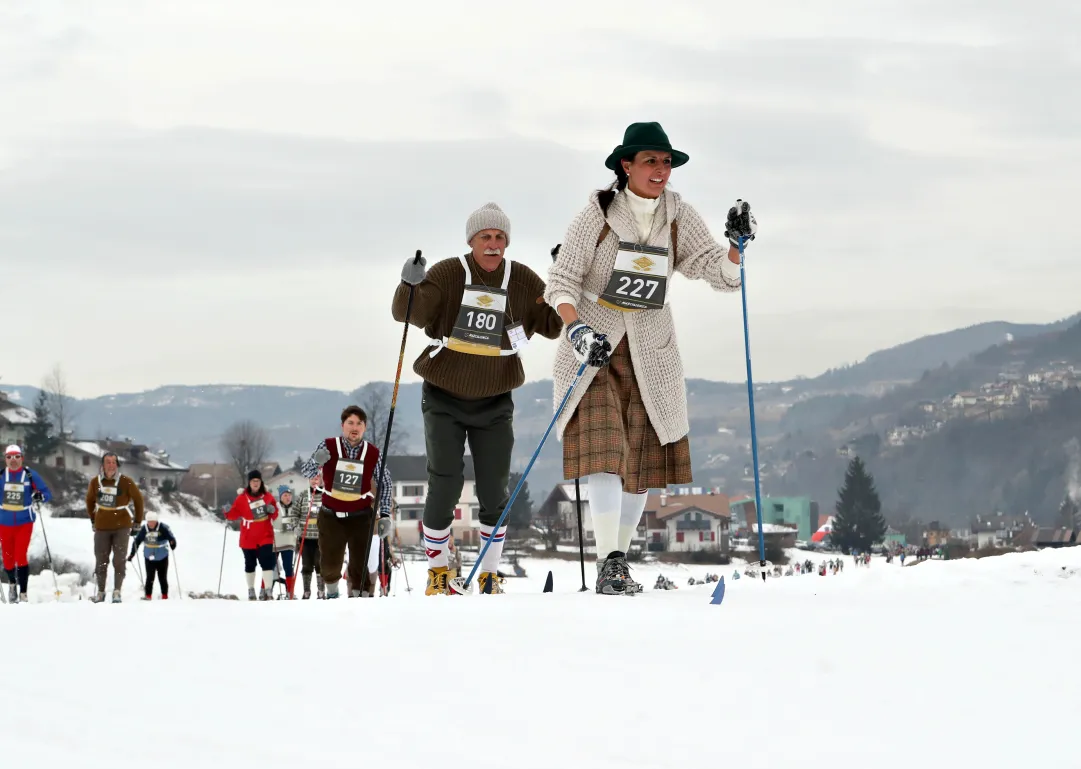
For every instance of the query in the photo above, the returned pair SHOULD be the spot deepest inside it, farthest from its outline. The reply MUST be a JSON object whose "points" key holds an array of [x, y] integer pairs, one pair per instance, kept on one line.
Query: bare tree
{"points": [[62, 407], [549, 520], [247, 446], [374, 398]]}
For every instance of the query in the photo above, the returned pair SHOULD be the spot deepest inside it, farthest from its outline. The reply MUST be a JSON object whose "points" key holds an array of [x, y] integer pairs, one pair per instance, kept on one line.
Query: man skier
{"points": [[345, 469], [109, 500], [23, 488], [479, 310]]}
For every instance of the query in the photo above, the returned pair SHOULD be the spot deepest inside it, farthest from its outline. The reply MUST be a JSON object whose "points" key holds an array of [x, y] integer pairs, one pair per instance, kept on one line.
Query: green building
{"points": [[894, 538], [801, 511]]}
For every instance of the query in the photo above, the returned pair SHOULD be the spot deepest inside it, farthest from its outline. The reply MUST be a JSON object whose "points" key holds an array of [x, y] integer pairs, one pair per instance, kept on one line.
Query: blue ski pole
{"points": [[458, 585], [750, 404]]}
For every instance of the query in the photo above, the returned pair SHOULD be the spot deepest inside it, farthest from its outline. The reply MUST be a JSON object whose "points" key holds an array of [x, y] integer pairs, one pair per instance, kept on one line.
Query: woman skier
{"points": [[625, 427], [256, 510], [286, 532]]}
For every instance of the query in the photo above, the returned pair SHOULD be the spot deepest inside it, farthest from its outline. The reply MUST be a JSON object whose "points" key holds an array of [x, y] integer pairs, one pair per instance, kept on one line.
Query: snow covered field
{"points": [[935, 665]]}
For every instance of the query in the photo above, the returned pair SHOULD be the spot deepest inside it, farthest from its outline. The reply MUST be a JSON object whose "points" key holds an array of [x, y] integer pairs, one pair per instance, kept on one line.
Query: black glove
{"points": [[172, 545], [131, 556], [740, 224], [37, 496], [589, 346]]}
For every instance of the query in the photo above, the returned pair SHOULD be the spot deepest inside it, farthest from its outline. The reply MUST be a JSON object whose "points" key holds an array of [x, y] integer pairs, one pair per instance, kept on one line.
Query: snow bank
{"points": [[879, 664]]}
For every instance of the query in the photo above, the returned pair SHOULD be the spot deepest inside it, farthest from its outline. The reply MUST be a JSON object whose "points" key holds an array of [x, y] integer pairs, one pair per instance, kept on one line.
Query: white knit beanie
{"points": [[487, 217]]}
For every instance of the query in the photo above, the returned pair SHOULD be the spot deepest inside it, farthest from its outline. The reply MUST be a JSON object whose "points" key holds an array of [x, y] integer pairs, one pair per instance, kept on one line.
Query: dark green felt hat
{"points": [[644, 136]]}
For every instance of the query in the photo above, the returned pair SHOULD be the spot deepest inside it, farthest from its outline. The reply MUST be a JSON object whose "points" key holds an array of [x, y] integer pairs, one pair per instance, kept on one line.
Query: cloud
{"points": [[36, 48], [200, 182], [195, 199]]}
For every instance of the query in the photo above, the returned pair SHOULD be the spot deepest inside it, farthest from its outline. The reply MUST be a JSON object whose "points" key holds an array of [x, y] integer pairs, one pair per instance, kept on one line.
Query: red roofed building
{"points": [[687, 522]]}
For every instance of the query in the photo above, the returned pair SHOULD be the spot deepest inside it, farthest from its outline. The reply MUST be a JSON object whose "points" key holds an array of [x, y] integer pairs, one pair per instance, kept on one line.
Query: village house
{"points": [[783, 534], [800, 512], [14, 421], [409, 474], [216, 483], [936, 535], [686, 523], [893, 538], [998, 530], [1038, 402], [960, 400], [149, 469], [1050, 537], [560, 509], [292, 478]]}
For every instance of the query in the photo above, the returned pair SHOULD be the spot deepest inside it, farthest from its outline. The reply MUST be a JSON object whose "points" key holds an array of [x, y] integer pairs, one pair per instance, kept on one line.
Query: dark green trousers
{"points": [[488, 425]]}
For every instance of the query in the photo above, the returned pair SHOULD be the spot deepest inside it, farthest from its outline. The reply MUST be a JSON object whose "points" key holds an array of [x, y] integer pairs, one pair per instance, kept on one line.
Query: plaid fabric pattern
{"points": [[302, 504], [610, 432]]}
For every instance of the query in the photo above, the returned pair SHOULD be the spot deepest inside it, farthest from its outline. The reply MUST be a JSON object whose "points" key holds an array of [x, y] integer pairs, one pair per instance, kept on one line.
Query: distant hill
{"points": [[188, 421], [1022, 354], [908, 361], [1022, 463], [1007, 458], [801, 422]]}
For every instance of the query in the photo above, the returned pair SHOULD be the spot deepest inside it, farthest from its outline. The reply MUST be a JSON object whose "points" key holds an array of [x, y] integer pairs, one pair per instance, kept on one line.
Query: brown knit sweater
{"points": [[436, 302], [119, 517]]}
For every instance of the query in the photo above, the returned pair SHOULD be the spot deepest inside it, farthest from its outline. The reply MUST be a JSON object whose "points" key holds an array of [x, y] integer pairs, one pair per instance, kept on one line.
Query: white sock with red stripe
{"points": [[490, 562], [435, 546], [630, 513]]}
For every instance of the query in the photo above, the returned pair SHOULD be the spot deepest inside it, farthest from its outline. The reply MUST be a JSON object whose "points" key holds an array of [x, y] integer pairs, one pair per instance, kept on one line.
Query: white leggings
{"points": [[615, 513]]}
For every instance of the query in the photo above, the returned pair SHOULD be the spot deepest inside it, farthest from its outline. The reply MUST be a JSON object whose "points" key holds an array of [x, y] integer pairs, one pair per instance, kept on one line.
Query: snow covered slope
{"points": [[883, 666]]}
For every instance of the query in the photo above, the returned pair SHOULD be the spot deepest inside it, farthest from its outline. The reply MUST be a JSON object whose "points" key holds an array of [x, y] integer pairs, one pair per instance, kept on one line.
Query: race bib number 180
{"points": [[478, 329]]}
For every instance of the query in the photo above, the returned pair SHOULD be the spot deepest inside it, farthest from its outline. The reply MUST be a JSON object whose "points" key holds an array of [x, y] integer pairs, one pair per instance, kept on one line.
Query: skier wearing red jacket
{"points": [[256, 510]]}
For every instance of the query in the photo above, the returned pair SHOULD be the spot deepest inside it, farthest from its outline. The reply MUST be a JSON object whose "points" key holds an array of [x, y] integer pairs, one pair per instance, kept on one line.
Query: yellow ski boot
{"points": [[437, 581], [489, 582]]}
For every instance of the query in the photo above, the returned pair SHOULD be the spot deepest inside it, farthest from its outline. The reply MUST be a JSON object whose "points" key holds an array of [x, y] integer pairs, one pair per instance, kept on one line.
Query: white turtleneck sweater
{"points": [[644, 209]]}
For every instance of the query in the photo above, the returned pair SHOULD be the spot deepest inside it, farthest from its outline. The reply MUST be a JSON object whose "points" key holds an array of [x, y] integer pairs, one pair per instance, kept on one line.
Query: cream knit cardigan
{"points": [[651, 334]]}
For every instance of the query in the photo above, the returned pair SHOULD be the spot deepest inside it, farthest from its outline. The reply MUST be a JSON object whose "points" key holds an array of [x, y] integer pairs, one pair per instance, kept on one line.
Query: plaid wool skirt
{"points": [[610, 432]]}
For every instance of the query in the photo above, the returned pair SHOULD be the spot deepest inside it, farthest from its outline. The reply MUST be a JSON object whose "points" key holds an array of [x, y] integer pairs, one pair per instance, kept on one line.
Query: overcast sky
{"points": [[207, 192]]}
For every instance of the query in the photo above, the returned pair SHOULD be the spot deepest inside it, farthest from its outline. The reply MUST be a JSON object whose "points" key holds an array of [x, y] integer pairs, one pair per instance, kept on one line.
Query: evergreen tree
{"points": [[1068, 513], [858, 522], [521, 515], [40, 440]]}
